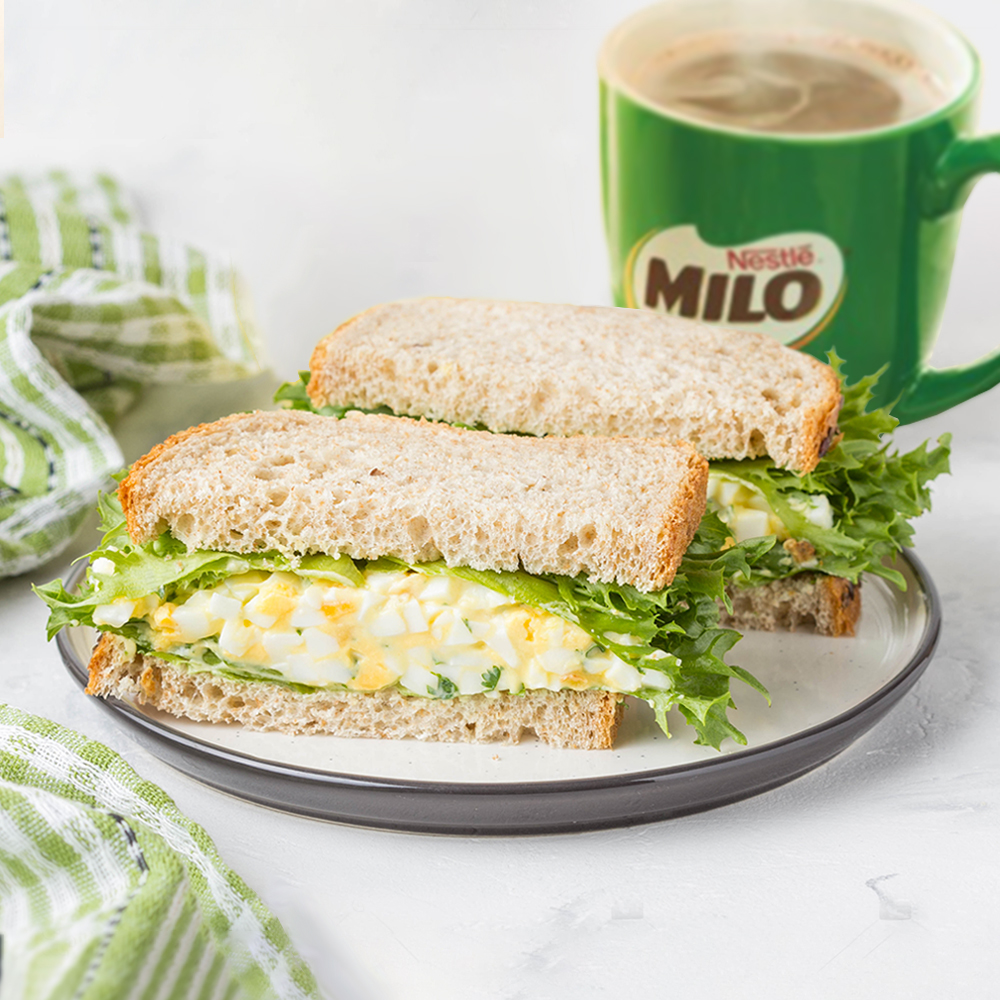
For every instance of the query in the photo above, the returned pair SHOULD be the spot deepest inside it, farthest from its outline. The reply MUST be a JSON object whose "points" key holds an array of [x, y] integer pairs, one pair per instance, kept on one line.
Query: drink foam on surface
{"points": [[769, 82]]}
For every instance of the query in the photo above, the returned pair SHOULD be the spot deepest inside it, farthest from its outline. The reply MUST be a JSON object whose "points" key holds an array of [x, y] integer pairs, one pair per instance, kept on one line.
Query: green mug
{"points": [[826, 239]]}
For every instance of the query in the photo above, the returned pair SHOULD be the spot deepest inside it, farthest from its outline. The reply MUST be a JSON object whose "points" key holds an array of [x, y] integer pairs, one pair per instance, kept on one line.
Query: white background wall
{"points": [[348, 152]]}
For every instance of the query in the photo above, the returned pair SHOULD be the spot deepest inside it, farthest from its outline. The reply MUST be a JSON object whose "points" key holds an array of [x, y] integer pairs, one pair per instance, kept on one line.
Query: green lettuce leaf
{"points": [[671, 636], [165, 567], [874, 491], [295, 397]]}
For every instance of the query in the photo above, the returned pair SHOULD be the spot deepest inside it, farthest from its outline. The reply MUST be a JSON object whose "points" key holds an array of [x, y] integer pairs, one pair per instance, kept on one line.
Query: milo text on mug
{"points": [[789, 286]]}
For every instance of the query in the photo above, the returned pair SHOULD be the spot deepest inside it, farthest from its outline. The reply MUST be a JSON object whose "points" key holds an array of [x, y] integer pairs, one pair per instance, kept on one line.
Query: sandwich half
{"points": [[794, 454], [381, 577]]}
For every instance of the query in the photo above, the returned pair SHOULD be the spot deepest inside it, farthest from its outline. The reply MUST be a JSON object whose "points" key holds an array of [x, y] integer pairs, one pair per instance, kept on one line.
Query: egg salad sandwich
{"points": [[794, 454], [374, 576]]}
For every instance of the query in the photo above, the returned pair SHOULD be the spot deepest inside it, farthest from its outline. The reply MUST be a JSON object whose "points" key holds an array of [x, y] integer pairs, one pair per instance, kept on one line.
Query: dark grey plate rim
{"points": [[827, 739]]}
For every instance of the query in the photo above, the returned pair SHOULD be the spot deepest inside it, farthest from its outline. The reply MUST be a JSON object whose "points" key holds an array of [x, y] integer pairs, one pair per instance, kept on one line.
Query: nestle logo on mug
{"points": [[788, 286]]}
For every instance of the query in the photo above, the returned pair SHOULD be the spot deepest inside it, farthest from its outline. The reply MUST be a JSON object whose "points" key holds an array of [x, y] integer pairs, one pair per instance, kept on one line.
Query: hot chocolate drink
{"points": [[771, 84]]}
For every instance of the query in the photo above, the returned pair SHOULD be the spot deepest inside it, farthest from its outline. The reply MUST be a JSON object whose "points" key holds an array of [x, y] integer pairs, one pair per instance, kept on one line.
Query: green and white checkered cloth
{"points": [[92, 307], [108, 892]]}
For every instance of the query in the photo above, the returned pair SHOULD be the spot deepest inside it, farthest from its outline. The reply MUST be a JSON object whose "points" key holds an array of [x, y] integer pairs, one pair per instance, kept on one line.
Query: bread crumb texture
{"points": [[584, 720], [829, 604], [561, 369], [369, 486]]}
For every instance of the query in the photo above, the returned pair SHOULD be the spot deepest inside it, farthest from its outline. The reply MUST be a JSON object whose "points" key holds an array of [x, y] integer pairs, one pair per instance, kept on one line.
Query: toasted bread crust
{"points": [[557, 369], [368, 486], [584, 720], [130, 489], [830, 604]]}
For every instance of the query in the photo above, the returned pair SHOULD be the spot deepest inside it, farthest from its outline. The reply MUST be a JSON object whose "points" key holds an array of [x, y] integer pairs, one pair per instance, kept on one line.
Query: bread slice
{"points": [[829, 603], [584, 720], [369, 486], [562, 370]]}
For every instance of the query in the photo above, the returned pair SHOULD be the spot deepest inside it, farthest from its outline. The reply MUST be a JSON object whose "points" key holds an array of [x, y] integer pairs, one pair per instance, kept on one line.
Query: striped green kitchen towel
{"points": [[108, 892], [92, 307]]}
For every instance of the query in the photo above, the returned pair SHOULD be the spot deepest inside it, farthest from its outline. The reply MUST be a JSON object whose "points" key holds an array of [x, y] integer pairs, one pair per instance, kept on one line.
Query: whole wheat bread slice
{"points": [[369, 486], [830, 604], [561, 369], [586, 720]]}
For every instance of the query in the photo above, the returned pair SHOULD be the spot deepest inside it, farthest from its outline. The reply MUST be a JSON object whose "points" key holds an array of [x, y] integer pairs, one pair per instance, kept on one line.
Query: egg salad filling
{"points": [[746, 512], [435, 636]]}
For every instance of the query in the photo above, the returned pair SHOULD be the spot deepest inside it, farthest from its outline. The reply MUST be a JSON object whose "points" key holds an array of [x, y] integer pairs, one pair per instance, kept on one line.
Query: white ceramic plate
{"points": [[825, 693]]}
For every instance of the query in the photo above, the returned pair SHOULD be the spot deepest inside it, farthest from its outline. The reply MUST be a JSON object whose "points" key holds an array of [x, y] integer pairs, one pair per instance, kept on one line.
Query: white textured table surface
{"points": [[353, 152]]}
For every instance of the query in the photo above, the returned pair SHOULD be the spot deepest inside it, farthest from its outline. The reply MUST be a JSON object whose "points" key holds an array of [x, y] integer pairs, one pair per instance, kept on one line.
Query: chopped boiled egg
{"points": [[280, 645], [114, 614], [372, 675], [387, 623], [306, 616], [418, 679], [192, 623], [413, 615], [747, 514], [430, 636], [236, 638], [226, 608], [103, 567], [815, 509], [319, 643]]}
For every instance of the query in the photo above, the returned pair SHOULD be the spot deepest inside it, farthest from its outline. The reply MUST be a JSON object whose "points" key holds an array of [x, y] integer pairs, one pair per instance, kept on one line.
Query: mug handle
{"points": [[937, 389]]}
